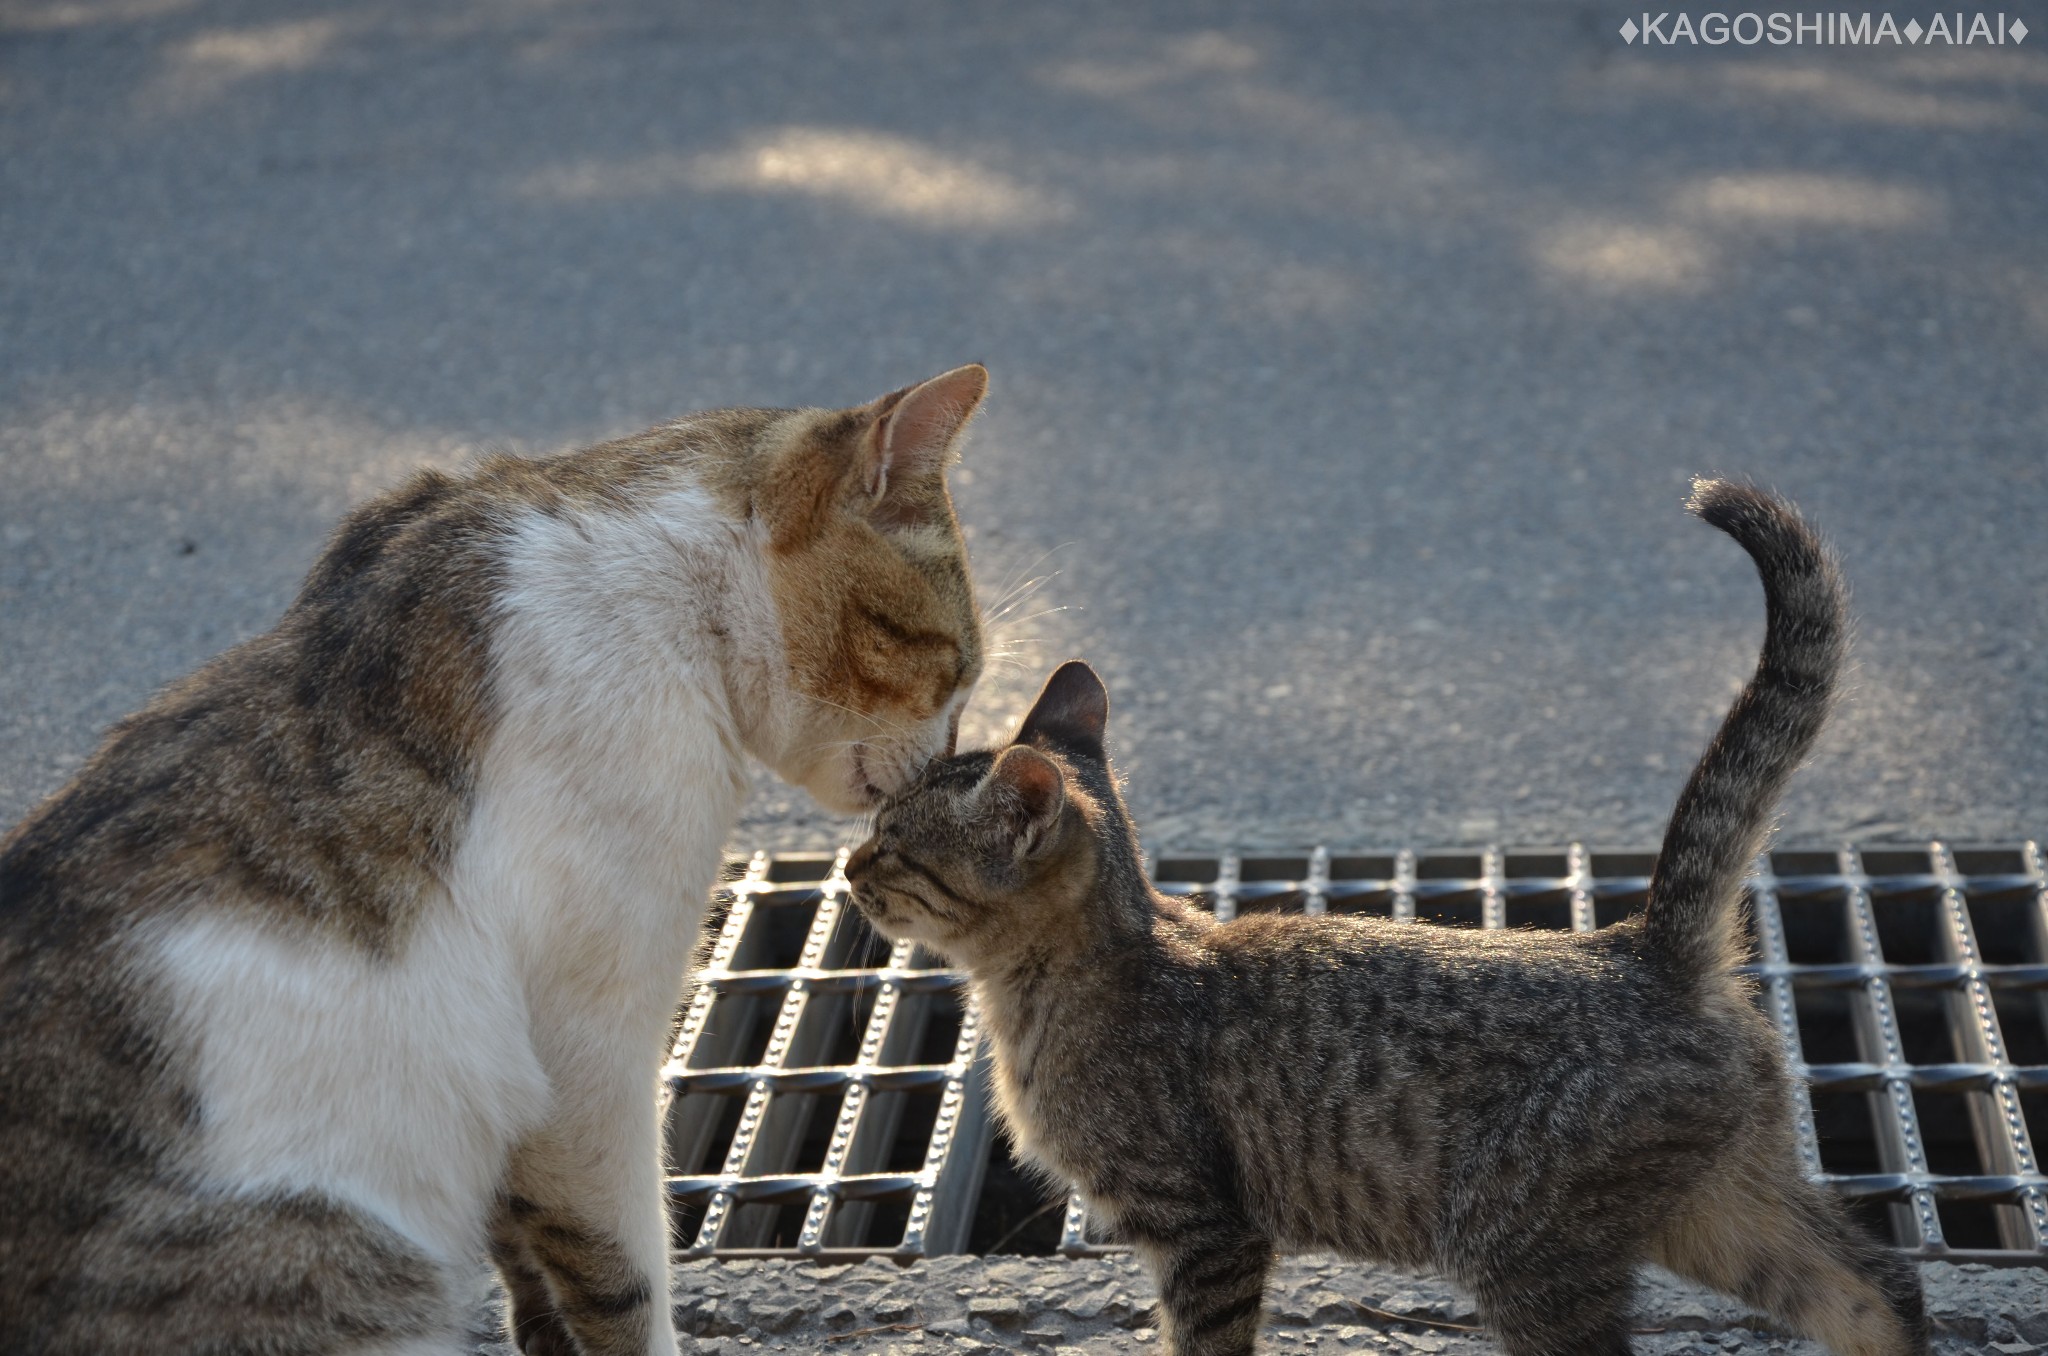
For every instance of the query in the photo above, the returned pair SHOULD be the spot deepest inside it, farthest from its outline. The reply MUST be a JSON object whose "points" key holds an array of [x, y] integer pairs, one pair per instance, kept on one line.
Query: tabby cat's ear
{"points": [[912, 439], [1026, 791], [1071, 712]]}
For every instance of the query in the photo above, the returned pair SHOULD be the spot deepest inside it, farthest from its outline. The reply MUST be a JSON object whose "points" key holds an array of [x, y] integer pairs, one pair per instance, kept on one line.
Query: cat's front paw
{"points": [[541, 1332]]}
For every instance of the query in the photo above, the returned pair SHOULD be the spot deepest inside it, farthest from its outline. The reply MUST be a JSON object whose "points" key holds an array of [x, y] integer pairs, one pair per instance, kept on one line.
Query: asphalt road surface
{"points": [[1350, 360]]}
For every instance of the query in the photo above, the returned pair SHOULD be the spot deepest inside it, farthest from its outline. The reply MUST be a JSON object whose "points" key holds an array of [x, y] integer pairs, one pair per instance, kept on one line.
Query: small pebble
{"points": [[1000, 1310]]}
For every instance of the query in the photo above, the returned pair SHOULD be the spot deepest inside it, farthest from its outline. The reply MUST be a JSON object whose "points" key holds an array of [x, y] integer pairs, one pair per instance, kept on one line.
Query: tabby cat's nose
{"points": [[857, 863]]}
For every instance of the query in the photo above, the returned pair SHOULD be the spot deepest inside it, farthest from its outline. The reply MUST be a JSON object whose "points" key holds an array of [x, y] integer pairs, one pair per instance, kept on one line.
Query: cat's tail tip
{"points": [[1711, 493], [1777, 536], [1733, 505]]}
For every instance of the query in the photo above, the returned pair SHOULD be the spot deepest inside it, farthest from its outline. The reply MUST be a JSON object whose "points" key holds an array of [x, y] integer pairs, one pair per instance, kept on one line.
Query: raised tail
{"points": [[1724, 813]]}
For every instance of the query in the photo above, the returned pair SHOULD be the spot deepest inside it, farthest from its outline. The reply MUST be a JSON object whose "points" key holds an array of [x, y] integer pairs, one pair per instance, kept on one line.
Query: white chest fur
{"points": [[570, 908]]}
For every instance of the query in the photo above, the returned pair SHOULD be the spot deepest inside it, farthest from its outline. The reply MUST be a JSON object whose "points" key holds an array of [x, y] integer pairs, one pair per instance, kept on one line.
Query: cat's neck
{"points": [[1021, 995], [1025, 992], [629, 667]]}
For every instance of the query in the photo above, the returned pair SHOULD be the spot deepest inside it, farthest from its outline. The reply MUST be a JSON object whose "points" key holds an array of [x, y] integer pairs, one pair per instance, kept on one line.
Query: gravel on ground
{"points": [[980, 1306]]}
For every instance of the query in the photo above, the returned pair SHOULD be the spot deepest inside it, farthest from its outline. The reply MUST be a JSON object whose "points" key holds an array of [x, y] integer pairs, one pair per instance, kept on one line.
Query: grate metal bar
{"points": [[1909, 984], [2003, 1143], [1902, 1149], [718, 1212], [1775, 967], [1578, 884], [854, 1096], [1317, 886], [1224, 891], [2035, 864], [1493, 894], [1074, 1229], [689, 1141], [1403, 886], [963, 1106], [854, 1118]]}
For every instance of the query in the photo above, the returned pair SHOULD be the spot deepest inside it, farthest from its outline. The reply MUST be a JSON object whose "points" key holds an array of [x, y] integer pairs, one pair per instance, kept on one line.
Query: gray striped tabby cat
{"points": [[1532, 1113]]}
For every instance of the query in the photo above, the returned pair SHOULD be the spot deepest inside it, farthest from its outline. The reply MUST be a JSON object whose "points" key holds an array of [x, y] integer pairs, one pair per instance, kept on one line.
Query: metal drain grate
{"points": [[825, 1097]]}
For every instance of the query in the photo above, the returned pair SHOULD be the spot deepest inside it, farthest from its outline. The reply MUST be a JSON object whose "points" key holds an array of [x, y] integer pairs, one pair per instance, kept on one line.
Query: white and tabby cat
{"points": [[352, 955]]}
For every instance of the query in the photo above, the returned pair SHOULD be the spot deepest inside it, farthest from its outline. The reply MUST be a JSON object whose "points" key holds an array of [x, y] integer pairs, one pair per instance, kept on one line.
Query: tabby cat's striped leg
{"points": [[598, 1290], [585, 1194], [1211, 1269], [532, 1321]]}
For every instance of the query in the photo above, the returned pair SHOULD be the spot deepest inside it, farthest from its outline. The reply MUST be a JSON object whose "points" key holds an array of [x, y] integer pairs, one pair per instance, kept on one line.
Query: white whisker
{"points": [[1043, 612], [1008, 597], [892, 726]]}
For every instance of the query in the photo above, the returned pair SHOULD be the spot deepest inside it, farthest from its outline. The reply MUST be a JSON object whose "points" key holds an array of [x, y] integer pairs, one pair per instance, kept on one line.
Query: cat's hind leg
{"points": [[171, 1269], [1559, 1301], [1764, 1234]]}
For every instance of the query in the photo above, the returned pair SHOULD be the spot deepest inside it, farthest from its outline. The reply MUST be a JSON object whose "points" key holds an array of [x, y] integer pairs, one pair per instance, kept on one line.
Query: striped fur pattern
{"points": [[1532, 1113], [1719, 824], [352, 956]]}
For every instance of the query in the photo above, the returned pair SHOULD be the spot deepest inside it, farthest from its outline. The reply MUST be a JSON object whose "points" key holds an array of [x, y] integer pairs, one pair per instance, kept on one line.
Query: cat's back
{"points": [[302, 766], [320, 769], [1453, 1003]]}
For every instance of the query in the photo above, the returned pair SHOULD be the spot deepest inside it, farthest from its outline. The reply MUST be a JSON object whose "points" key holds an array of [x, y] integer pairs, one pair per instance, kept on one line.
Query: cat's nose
{"points": [[859, 860]]}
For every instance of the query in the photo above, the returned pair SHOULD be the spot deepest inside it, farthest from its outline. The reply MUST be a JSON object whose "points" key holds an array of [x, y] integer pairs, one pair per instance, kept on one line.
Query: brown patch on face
{"points": [[865, 554], [866, 629], [809, 476]]}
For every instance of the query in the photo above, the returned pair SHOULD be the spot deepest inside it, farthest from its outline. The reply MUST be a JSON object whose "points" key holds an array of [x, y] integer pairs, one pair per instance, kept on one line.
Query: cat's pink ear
{"points": [[1072, 711], [915, 432], [1026, 791]]}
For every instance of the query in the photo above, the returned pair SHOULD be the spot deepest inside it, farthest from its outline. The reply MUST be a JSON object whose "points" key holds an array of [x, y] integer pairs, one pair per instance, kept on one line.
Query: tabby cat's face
{"points": [[880, 628], [994, 850]]}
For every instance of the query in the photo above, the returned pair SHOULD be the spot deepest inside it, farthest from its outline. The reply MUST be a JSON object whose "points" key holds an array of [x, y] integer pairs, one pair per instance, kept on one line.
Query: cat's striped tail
{"points": [[1724, 813]]}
